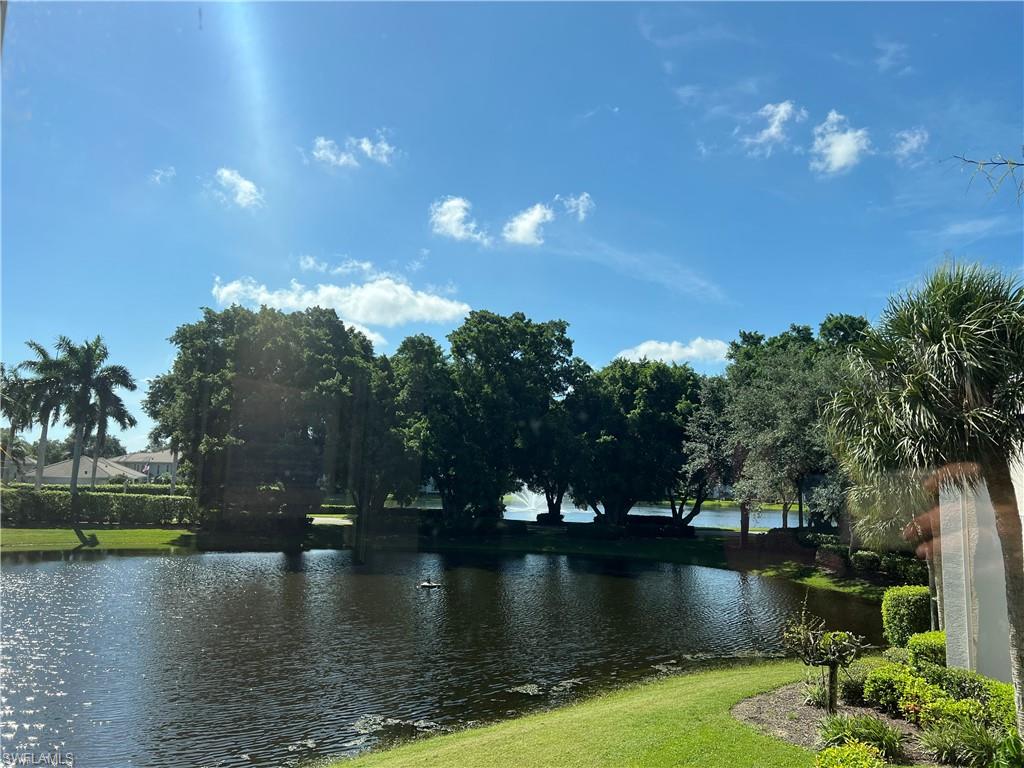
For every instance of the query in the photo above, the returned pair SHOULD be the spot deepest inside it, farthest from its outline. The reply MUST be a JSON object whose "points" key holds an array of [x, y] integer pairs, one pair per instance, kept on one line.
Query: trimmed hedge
{"points": [[866, 561], [140, 489], [25, 508], [906, 611], [927, 647], [884, 687]]}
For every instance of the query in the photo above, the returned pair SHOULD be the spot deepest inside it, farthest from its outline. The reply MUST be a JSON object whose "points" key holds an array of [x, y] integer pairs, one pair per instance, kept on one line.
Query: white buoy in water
{"points": [[428, 584]]}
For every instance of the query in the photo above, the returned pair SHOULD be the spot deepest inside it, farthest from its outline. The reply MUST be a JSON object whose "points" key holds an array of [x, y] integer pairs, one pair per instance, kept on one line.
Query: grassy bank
{"points": [[679, 721], [65, 539], [818, 578]]}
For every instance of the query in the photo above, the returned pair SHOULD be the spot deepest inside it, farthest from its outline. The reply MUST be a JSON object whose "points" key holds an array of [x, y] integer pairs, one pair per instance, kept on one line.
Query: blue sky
{"points": [[660, 176]]}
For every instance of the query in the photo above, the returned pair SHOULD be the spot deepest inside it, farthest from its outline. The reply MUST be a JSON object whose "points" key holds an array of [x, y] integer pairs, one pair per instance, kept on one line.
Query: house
{"points": [[154, 464], [973, 582], [19, 472], [60, 472]]}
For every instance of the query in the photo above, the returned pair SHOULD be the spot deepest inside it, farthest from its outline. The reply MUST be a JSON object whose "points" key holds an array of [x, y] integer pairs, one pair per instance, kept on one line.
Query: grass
{"points": [[811, 576], [64, 539], [679, 721]]}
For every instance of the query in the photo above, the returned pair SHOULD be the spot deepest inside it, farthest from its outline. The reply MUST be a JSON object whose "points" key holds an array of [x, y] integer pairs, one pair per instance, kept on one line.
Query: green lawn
{"points": [[64, 539], [679, 721], [811, 576]]}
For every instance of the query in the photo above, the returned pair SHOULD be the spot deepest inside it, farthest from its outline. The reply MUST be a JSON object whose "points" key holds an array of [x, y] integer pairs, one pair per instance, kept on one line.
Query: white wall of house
{"points": [[973, 582]]}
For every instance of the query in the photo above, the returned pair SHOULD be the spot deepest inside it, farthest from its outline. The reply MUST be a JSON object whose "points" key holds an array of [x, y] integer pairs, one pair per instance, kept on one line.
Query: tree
{"points": [[63, 449], [48, 389], [938, 388], [14, 451], [995, 171], [379, 461], [707, 445], [15, 405], [109, 407], [86, 377], [633, 435]]}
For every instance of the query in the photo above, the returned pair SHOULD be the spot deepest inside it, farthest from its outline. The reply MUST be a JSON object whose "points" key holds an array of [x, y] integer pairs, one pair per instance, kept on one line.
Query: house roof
{"points": [[105, 468], [143, 457]]}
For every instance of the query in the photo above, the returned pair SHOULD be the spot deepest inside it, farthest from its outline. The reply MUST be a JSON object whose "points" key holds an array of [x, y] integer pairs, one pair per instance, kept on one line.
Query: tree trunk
{"points": [[41, 453], [932, 588], [744, 523], [1011, 539], [785, 513], [76, 462], [833, 688], [698, 501], [174, 469], [672, 503], [800, 503], [101, 436]]}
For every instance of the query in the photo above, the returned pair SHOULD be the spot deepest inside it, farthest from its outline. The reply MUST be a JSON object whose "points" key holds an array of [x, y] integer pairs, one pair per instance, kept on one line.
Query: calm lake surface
{"points": [[281, 660], [725, 517]]}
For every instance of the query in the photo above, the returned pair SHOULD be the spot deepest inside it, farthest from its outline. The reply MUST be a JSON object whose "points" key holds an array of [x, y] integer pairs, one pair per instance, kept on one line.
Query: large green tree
{"points": [[108, 406], [938, 388], [635, 415], [707, 447]]}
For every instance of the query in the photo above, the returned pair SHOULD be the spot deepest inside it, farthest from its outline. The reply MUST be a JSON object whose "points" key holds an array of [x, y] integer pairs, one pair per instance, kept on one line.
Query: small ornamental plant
{"points": [[806, 636]]}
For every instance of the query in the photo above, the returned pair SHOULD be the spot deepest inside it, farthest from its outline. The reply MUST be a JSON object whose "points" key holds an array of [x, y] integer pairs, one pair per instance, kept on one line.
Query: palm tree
{"points": [[109, 405], [14, 405], [86, 378], [47, 394], [938, 388]]}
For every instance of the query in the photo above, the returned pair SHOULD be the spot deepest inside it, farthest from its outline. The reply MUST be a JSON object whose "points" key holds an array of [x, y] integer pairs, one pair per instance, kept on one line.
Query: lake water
{"points": [[281, 660], [726, 517]]}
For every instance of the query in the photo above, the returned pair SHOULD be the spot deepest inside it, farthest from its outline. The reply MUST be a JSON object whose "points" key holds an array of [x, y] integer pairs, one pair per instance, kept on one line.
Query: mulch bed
{"points": [[782, 713]]}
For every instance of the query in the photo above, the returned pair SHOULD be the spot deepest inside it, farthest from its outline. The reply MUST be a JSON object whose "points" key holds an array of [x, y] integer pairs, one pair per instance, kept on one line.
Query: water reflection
{"points": [[283, 658]]}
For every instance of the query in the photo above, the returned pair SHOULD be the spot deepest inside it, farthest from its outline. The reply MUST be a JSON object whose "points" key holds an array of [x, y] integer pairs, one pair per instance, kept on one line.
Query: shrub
{"points": [[927, 647], [24, 507], [904, 568], [957, 683], [897, 656], [851, 682], [963, 742], [884, 687], [837, 730], [1000, 709], [905, 612], [865, 561], [937, 712], [851, 755], [917, 694]]}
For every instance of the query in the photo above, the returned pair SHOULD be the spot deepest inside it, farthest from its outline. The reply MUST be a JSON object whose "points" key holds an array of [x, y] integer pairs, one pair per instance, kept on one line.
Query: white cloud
{"points": [[379, 151], [909, 144], [381, 301], [450, 218], [347, 267], [774, 133], [975, 227], [891, 55], [699, 350], [328, 152], [160, 175], [581, 205], [838, 147], [244, 193], [525, 227], [309, 264]]}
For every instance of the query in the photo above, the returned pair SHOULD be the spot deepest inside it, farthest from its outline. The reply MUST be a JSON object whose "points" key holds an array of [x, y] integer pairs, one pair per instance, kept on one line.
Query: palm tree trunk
{"points": [[1011, 539], [96, 456], [76, 462], [41, 452]]}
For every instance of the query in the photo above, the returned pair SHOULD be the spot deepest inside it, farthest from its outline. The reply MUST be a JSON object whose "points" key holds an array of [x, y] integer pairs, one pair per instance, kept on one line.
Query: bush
{"points": [[865, 561], [837, 730], [927, 647], [917, 694], [942, 710], [851, 755], [1000, 709], [905, 612], [897, 656], [851, 682], [111, 486], [963, 742], [994, 697], [904, 568], [884, 687], [25, 507]]}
